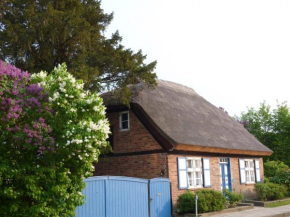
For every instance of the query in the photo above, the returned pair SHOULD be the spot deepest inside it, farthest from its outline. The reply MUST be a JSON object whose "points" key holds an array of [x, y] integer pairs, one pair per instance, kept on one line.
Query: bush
{"points": [[186, 202], [278, 172], [270, 191], [232, 198], [210, 200]]}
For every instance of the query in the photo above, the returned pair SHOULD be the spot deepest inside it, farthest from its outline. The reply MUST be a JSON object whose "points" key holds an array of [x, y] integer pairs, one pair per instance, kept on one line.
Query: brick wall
{"points": [[246, 190], [173, 175], [142, 166], [136, 139]]}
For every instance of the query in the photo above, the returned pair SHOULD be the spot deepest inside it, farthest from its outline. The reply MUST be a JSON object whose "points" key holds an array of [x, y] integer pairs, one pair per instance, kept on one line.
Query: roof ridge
{"points": [[176, 87]]}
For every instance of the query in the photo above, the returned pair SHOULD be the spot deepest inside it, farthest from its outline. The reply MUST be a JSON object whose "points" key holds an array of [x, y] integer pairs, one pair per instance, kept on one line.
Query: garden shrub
{"points": [[208, 201], [270, 191], [186, 202], [232, 197], [278, 172]]}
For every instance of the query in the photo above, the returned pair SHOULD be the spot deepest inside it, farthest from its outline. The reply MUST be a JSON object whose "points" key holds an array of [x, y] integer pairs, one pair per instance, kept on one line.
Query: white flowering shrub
{"points": [[79, 129]]}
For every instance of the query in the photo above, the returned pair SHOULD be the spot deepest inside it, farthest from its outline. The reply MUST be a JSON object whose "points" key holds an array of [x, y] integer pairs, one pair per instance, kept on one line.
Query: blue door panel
{"points": [[127, 198], [94, 201], [160, 200]]}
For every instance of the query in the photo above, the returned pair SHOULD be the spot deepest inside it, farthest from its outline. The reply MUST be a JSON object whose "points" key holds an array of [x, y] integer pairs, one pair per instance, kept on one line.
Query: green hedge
{"points": [[208, 201], [270, 191]]}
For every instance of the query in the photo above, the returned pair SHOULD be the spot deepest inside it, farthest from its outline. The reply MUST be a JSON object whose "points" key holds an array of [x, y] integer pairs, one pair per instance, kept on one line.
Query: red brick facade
{"points": [[142, 166], [245, 189], [135, 140], [151, 165]]}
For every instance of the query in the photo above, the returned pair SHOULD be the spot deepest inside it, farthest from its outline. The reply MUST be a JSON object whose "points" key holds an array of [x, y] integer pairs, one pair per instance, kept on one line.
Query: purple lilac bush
{"points": [[51, 132]]}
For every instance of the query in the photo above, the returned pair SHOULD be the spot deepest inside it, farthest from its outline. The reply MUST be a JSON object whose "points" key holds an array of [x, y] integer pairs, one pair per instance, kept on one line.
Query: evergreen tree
{"points": [[39, 35]]}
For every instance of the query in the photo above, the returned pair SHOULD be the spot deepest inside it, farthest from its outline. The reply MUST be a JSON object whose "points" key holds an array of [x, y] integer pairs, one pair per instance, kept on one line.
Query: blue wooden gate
{"points": [[160, 201], [113, 196]]}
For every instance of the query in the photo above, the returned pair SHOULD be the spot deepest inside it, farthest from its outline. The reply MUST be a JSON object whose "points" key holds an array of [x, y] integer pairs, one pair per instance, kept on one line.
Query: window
{"points": [[223, 161], [250, 172], [124, 121], [194, 172]]}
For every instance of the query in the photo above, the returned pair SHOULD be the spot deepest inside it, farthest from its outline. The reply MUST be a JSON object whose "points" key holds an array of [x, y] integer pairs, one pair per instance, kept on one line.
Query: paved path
{"points": [[259, 211]]}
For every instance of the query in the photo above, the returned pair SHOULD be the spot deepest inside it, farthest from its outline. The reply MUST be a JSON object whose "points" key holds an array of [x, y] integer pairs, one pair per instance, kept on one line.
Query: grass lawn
{"points": [[278, 203]]}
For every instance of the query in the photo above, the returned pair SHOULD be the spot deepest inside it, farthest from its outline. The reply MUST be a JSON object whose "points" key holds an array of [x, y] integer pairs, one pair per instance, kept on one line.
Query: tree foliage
{"points": [[51, 131], [273, 168], [39, 35], [271, 127]]}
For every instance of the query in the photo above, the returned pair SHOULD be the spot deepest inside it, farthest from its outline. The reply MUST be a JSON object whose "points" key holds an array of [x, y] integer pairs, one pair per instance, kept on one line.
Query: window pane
{"points": [[247, 176], [223, 160], [190, 179], [198, 178], [189, 163], [198, 182], [197, 163], [125, 125], [198, 174], [252, 176], [251, 164], [124, 116]]}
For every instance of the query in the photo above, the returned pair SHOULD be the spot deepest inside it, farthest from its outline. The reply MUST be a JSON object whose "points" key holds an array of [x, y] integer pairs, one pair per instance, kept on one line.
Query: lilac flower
{"points": [[34, 89], [23, 108], [15, 92], [33, 102]]}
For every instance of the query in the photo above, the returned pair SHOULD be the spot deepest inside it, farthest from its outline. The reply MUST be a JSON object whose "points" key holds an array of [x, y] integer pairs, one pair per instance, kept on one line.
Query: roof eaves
{"points": [[198, 148]]}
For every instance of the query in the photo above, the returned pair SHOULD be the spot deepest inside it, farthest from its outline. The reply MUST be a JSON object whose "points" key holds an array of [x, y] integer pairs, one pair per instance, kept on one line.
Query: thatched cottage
{"points": [[173, 132]]}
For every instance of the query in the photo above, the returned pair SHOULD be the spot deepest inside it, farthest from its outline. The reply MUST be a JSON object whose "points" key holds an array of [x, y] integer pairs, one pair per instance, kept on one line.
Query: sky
{"points": [[235, 54]]}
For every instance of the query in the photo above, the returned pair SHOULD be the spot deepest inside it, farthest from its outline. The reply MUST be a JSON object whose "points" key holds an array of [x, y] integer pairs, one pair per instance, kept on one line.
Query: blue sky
{"points": [[236, 54]]}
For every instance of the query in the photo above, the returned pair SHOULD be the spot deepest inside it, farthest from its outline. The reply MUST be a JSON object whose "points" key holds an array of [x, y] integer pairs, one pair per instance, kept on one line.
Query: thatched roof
{"points": [[185, 118]]}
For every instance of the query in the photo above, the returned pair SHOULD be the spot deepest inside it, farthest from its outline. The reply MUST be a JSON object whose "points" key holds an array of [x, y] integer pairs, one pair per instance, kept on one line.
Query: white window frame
{"points": [[249, 170], [224, 160], [121, 121], [194, 170]]}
